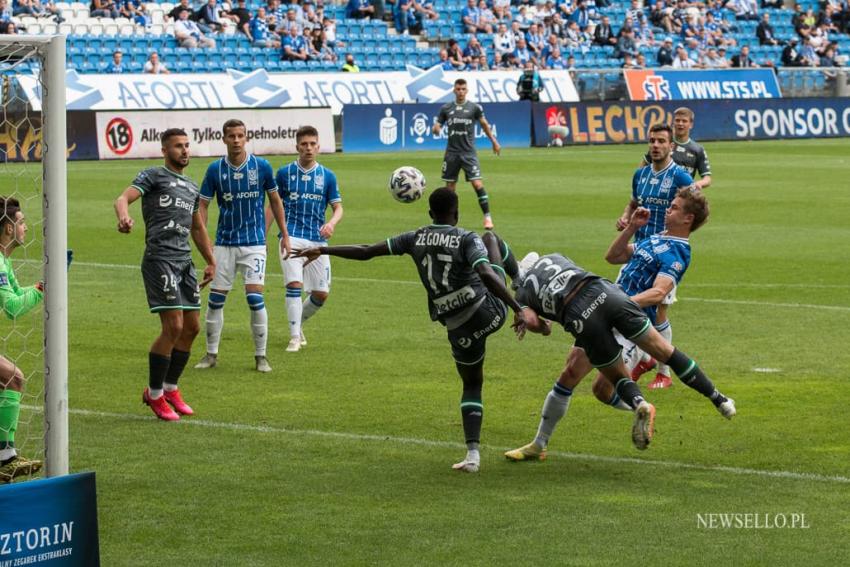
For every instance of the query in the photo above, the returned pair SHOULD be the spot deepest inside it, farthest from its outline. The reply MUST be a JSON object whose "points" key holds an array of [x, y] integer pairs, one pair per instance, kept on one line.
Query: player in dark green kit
{"points": [[170, 209], [459, 118], [464, 293]]}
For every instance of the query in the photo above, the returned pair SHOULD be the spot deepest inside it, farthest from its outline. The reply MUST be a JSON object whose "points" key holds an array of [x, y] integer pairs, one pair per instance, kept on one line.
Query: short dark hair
{"points": [[9, 209], [305, 131], [695, 204], [170, 133], [442, 201], [232, 123], [662, 128], [460, 82]]}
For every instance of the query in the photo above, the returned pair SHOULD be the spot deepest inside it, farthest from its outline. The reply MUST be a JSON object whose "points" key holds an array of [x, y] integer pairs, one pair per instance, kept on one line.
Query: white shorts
{"points": [[316, 276], [250, 261], [632, 353], [670, 299]]}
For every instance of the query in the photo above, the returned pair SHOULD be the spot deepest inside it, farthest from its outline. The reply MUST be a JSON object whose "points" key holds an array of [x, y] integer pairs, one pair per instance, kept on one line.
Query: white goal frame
{"points": [[50, 51]]}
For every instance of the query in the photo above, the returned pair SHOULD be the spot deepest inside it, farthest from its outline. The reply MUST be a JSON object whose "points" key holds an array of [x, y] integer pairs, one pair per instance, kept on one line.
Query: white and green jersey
{"points": [[168, 202], [15, 300]]}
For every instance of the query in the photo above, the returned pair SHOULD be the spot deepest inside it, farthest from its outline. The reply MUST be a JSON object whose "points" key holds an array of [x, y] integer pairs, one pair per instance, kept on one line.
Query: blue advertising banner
{"points": [[50, 522], [397, 127], [664, 84], [627, 122]]}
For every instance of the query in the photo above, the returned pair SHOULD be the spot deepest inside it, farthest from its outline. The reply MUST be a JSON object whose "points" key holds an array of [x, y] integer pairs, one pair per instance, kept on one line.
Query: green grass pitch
{"points": [[342, 455]]}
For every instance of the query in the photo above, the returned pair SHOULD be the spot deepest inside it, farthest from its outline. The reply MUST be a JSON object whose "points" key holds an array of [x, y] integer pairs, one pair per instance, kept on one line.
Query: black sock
{"points": [[179, 358], [692, 375], [472, 413], [158, 368], [483, 200], [629, 392]]}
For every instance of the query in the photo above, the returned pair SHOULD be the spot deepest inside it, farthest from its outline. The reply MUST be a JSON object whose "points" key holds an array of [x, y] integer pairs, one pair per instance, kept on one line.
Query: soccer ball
{"points": [[406, 184]]}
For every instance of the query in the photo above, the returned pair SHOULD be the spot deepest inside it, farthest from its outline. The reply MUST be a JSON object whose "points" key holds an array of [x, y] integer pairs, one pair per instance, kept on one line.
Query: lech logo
{"points": [[388, 128], [419, 127]]}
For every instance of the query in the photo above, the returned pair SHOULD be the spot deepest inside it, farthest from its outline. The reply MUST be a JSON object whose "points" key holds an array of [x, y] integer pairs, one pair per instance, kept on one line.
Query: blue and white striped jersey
{"points": [[656, 191], [306, 196], [658, 255], [240, 193]]}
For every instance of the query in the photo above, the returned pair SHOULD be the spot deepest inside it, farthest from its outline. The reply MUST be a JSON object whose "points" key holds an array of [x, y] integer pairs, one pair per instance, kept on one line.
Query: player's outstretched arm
{"points": [[621, 250], [275, 209], [360, 252], [661, 288], [528, 320], [623, 221], [202, 241], [496, 285], [704, 182], [122, 208]]}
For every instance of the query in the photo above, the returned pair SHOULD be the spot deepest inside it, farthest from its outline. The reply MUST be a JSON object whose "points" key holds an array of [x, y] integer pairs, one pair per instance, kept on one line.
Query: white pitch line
{"points": [[790, 475], [839, 308]]}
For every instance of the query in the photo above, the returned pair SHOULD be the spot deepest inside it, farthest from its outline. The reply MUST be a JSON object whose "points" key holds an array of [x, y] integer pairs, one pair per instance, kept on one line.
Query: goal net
{"points": [[32, 170]]}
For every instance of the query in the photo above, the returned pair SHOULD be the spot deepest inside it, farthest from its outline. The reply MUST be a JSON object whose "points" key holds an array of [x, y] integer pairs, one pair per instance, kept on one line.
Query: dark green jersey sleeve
{"points": [[15, 300], [401, 244]]}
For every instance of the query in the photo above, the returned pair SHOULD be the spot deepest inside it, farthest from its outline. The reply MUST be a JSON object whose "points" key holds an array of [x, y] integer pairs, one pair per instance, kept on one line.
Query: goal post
{"points": [[45, 56]]}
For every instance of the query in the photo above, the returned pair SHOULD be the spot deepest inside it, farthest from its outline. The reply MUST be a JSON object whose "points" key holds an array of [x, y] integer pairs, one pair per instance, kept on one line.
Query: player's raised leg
{"points": [[686, 369]]}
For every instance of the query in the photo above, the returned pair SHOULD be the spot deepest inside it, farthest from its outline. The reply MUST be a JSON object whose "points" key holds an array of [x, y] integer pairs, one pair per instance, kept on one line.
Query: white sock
{"points": [[309, 308], [667, 333], [7, 453], [169, 387], [293, 312], [554, 408], [260, 328], [473, 456], [215, 322], [155, 393]]}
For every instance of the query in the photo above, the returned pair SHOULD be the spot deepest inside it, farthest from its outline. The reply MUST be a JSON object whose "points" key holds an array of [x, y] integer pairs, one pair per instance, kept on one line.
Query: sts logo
{"points": [[656, 87]]}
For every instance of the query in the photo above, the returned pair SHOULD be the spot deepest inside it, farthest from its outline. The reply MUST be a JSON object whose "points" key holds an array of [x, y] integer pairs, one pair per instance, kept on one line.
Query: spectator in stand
{"points": [[516, 31], [350, 66], [819, 38], [565, 8], [808, 54], [790, 56], [682, 60], [640, 61], [634, 10], [174, 14], [502, 10], [581, 15], [486, 17], [207, 18], [742, 60], [359, 9], [329, 27], [773, 4], [628, 61], [664, 57], [291, 19], [552, 44], [241, 17], [134, 10], [555, 61], [643, 32], [536, 41], [572, 37], [293, 45], [189, 35], [403, 12], [659, 15], [473, 51], [626, 44], [103, 9], [558, 26], [444, 62], [503, 41], [455, 55], [153, 66], [116, 66], [744, 9], [678, 16], [524, 18], [722, 59], [5, 11], [603, 34], [828, 59], [7, 27], [324, 51], [425, 11], [713, 61], [765, 32], [259, 28], [522, 54], [307, 39]]}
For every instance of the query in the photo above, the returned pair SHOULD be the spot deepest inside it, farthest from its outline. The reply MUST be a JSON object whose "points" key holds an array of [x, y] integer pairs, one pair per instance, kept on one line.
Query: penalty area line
{"points": [[740, 471]]}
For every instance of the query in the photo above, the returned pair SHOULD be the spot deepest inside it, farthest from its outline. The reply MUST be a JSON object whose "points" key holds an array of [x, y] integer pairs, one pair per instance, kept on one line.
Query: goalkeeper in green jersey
{"points": [[14, 302]]}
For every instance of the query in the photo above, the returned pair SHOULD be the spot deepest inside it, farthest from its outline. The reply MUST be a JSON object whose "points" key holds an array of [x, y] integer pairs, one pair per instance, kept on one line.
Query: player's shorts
{"points": [[595, 313], [170, 284], [249, 261], [316, 276], [469, 340], [453, 163]]}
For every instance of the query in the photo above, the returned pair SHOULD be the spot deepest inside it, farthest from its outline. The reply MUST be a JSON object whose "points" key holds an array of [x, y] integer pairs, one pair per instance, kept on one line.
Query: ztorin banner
{"points": [[664, 84], [271, 131], [623, 122], [404, 127], [50, 522], [260, 89]]}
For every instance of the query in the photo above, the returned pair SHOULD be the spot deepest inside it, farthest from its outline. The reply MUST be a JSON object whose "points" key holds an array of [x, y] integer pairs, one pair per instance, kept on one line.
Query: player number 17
{"points": [[428, 262]]}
